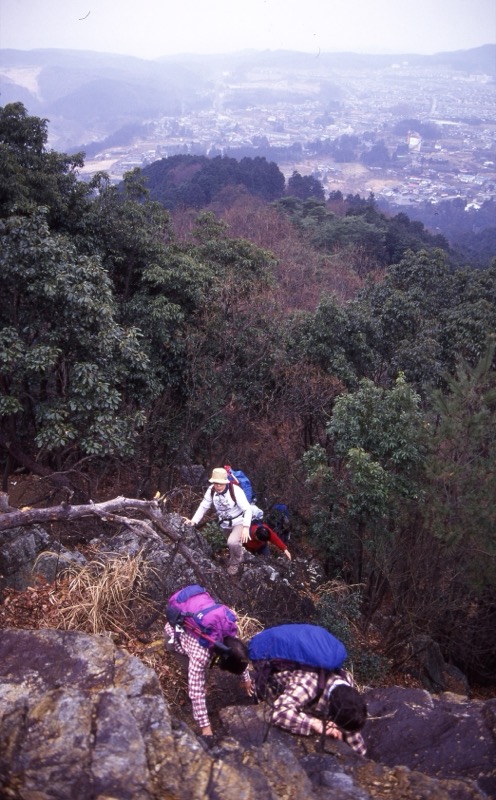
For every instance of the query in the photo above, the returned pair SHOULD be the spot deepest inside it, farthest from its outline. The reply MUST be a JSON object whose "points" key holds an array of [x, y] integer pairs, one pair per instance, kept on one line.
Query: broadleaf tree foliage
{"points": [[126, 346]]}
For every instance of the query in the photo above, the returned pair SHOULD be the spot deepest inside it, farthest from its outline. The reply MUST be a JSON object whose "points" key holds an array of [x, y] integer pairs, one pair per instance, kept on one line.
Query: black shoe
{"points": [[207, 741]]}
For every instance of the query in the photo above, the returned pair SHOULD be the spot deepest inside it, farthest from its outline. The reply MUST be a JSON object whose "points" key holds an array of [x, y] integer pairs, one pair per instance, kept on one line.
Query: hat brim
{"points": [[213, 480]]}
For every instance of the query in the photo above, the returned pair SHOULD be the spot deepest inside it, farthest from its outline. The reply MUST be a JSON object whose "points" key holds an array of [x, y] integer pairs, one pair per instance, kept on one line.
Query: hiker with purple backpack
{"points": [[234, 513], [207, 633]]}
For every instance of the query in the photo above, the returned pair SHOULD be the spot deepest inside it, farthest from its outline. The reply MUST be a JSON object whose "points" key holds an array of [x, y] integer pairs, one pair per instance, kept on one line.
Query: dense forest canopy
{"points": [[195, 181], [139, 335]]}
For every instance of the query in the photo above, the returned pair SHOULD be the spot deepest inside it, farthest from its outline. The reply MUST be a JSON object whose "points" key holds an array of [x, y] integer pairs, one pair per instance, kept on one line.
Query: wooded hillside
{"points": [[332, 353]]}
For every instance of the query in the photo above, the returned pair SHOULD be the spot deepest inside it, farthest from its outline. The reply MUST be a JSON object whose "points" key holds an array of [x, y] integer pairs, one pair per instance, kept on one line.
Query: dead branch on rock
{"points": [[65, 512], [113, 511]]}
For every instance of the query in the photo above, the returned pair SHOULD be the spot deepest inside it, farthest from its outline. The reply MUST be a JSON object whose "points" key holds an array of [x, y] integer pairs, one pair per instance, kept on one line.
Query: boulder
{"points": [[19, 549], [443, 735], [337, 773], [81, 718], [264, 588], [427, 663], [29, 552]]}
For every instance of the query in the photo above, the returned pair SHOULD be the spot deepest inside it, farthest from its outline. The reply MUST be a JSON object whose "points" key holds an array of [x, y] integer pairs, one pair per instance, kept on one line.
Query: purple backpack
{"points": [[197, 612]]}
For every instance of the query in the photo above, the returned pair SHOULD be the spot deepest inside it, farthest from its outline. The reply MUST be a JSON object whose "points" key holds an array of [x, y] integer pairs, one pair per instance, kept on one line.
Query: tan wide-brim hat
{"points": [[219, 475]]}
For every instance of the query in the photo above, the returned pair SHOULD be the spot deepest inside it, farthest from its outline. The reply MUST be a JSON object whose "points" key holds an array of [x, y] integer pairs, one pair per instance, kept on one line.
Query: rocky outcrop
{"points": [[444, 735], [25, 552], [80, 718], [427, 663], [266, 588]]}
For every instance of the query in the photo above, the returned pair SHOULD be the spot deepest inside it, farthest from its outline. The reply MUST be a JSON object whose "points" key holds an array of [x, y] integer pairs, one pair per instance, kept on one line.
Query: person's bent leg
{"points": [[236, 552]]}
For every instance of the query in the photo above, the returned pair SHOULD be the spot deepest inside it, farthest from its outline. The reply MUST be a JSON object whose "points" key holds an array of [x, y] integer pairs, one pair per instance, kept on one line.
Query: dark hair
{"points": [[262, 534], [236, 659], [347, 708]]}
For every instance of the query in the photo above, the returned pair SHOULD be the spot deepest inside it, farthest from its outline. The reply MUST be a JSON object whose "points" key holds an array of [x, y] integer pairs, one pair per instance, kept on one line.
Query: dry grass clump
{"points": [[248, 626], [101, 595]]}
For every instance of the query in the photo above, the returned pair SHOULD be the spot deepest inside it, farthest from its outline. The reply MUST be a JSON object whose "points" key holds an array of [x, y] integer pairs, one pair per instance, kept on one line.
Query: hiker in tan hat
{"points": [[233, 511]]}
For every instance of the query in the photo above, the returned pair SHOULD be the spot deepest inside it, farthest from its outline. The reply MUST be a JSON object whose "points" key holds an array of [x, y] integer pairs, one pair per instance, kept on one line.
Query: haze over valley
{"points": [[408, 128]]}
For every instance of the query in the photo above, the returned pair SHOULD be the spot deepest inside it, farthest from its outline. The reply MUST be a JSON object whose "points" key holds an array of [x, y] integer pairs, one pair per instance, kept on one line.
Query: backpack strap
{"points": [[190, 624], [231, 491], [174, 616], [198, 616], [233, 498], [321, 684]]}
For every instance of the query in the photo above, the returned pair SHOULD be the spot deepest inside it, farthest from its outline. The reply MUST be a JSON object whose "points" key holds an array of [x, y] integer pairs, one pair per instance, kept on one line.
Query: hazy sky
{"points": [[152, 28]]}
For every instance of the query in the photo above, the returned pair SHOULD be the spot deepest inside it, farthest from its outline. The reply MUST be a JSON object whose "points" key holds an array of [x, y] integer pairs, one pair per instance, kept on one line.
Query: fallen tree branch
{"points": [[108, 511], [65, 512], [165, 526]]}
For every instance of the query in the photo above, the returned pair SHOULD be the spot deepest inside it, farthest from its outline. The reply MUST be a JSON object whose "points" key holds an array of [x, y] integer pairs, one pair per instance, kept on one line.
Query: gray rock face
{"points": [[19, 549], [81, 719], [25, 552], [444, 735], [337, 773]]}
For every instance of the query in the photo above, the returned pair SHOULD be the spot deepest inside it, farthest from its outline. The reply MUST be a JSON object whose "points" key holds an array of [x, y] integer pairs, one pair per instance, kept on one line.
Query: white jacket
{"points": [[229, 512]]}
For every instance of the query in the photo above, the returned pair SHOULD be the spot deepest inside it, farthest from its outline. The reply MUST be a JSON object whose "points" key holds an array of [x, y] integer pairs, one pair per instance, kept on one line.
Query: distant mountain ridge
{"points": [[479, 59], [88, 96]]}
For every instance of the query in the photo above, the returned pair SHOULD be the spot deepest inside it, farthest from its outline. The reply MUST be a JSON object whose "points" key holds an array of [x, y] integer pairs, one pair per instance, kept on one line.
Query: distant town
{"points": [[457, 161]]}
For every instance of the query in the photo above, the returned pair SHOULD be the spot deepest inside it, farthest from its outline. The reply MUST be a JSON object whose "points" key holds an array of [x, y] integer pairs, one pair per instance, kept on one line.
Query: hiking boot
{"points": [[207, 741]]}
